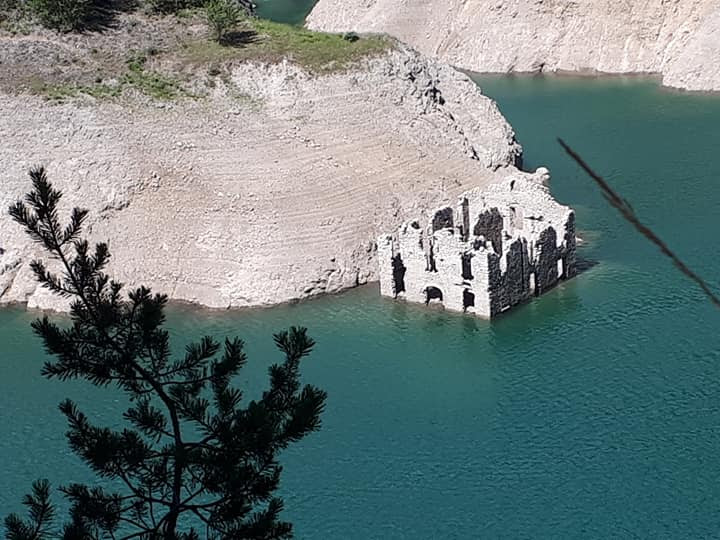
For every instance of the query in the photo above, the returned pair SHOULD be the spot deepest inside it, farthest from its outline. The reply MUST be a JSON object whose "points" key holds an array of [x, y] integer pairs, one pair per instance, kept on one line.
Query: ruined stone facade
{"points": [[500, 246]]}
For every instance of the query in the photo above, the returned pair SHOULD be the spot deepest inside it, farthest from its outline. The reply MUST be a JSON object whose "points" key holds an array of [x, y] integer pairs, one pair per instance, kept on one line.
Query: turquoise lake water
{"points": [[286, 11], [593, 411]]}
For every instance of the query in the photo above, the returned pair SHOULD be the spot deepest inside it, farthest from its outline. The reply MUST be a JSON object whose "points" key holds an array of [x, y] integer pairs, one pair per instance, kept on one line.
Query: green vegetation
{"points": [[180, 8], [148, 82], [171, 6], [53, 92], [62, 15], [222, 16], [8, 10], [267, 41], [103, 71], [256, 39], [194, 456], [62, 92], [76, 15], [183, 7]]}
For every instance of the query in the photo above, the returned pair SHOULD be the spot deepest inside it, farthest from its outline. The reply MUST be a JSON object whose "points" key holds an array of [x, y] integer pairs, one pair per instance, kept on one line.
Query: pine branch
{"points": [[41, 514], [229, 471]]}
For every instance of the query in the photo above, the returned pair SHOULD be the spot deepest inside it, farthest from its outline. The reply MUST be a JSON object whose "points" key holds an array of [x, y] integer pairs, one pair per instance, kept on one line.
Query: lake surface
{"points": [[286, 11], [593, 411]]}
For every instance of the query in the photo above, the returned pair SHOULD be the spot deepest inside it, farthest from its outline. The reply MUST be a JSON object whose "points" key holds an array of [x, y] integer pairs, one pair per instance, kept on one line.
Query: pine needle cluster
{"points": [[196, 459]]}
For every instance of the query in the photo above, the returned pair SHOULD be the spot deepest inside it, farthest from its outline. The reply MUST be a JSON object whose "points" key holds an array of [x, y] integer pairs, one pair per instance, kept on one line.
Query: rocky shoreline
{"points": [[677, 40], [270, 193]]}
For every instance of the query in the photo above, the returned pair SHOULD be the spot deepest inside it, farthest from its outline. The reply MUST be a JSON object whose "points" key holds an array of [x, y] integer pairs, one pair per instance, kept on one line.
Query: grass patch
{"points": [[54, 92], [268, 41], [255, 40], [100, 91], [15, 25], [154, 84], [62, 92], [150, 83]]}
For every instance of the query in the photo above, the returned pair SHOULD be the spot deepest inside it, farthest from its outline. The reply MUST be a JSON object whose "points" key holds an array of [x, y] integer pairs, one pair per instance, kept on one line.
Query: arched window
{"points": [[399, 270], [468, 299], [433, 294]]}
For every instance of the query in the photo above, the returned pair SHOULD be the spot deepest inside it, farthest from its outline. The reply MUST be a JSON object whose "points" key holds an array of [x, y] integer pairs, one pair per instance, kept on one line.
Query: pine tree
{"points": [[196, 458]]}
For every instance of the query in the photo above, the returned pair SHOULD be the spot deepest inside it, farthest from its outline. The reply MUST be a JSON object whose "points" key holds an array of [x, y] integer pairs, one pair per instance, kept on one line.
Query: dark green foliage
{"points": [[192, 453], [63, 15], [176, 6], [222, 16], [352, 37], [40, 515], [7, 7], [171, 6]]}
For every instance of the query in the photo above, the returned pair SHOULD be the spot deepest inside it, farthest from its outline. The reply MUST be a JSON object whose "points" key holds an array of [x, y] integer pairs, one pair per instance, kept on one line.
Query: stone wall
{"points": [[500, 246]]}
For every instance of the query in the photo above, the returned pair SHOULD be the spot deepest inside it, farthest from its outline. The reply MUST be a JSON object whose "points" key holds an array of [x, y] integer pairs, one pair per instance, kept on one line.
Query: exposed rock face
{"points": [[277, 195], [678, 39], [500, 246]]}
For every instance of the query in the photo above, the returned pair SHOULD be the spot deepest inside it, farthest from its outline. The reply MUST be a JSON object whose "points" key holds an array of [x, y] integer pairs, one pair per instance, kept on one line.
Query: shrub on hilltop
{"points": [[62, 15], [74, 15], [175, 6], [223, 16]]}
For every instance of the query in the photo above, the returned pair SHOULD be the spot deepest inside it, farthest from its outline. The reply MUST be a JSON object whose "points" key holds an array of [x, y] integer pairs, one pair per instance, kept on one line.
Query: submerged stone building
{"points": [[500, 246]]}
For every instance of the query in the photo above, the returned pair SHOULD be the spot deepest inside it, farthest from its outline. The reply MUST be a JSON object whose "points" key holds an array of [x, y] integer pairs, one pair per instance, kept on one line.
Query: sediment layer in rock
{"points": [[276, 195], [677, 39]]}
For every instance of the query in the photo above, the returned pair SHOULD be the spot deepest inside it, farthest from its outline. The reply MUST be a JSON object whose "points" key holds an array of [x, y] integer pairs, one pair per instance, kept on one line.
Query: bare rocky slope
{"points": [[678, 39], [275, 194]]}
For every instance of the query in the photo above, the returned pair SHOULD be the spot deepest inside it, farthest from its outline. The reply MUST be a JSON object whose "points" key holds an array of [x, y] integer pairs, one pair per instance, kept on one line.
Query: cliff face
{"points": [[678, 39], [272, 195]]}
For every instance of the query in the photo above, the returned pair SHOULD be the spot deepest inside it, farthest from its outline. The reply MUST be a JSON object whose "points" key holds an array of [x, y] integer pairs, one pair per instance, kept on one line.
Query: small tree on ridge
{"points": [[222, 16]]}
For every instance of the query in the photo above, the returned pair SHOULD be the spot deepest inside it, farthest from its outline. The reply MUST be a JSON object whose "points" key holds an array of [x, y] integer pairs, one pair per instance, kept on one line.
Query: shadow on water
{"points": [[583, 265], [555, 307]]}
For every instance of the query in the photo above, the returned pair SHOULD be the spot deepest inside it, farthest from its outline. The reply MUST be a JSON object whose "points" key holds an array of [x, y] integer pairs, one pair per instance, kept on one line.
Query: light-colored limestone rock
{"points": [[274, 197], [500, 246], [679, 39]]}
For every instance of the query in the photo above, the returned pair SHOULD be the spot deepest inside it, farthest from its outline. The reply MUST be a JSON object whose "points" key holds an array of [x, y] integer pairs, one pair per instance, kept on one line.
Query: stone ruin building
{"points": [[501, 246]]}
